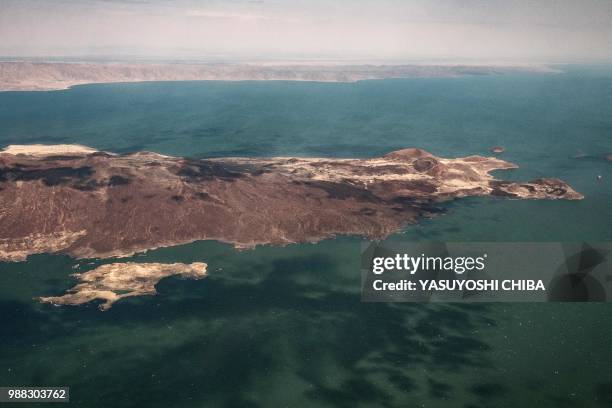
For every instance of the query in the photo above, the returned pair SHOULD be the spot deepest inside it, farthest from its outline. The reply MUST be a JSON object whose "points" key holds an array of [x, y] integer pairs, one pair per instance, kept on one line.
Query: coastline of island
{"points": [[95, 204]]}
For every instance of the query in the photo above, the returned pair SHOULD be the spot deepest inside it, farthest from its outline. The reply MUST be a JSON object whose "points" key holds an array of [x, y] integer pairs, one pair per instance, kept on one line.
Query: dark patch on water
{"points": [[438, 389], [489, 390], [603, 394]]}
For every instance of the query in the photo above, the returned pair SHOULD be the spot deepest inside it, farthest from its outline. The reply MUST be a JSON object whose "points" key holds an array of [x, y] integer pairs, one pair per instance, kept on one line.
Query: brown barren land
{"points": [[85, 203]]}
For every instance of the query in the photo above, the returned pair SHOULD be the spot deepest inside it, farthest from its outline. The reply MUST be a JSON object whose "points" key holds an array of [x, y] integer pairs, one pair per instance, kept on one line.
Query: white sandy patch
{"points": [[47, 150]]}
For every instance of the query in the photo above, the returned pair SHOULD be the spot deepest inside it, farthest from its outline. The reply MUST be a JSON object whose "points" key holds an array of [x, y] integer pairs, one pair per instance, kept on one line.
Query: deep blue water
{"points": [[285, 326]]}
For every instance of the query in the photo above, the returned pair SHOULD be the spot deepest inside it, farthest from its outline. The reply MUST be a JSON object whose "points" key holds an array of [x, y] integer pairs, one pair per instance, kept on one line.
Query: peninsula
{"points": [[94, 204]]}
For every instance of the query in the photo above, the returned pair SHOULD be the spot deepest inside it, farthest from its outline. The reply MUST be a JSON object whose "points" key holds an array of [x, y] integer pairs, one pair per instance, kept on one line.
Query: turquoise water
{"points": [[285, 326]]}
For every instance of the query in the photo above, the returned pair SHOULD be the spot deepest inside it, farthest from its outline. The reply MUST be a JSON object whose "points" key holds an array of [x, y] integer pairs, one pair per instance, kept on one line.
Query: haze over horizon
{"points": [[383, 30]]}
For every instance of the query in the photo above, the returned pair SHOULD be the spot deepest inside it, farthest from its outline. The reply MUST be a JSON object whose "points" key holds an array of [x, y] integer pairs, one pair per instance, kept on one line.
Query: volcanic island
{"points": [[86, 203]]}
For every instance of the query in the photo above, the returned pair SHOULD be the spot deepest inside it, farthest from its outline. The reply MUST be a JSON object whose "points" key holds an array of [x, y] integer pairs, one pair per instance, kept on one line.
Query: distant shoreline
{"points": [[48, 76]]}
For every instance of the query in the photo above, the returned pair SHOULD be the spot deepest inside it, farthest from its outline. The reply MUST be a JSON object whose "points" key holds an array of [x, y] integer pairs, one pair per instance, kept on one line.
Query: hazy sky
{"points": [[547, 30]]}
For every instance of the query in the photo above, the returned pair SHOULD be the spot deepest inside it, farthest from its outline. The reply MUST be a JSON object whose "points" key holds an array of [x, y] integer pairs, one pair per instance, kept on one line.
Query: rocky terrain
{"points": [[86, 203], [41, 76], [116, 281]]}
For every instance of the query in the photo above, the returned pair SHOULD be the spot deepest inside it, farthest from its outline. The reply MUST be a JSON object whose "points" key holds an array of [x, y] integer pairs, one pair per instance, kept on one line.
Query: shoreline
{"points": [[51, 76]]}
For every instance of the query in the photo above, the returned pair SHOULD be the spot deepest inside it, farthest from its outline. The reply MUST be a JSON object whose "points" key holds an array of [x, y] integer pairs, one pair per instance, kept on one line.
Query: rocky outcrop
{"points": [[116, 281]]}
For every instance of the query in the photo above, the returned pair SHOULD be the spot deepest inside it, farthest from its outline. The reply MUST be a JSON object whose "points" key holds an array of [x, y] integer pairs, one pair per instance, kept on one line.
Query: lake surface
{"points": [[285, 326]]}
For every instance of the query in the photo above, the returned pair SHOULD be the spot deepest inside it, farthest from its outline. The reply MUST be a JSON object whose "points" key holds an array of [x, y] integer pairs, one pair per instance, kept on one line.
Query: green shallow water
{"points": [[285, 326]]}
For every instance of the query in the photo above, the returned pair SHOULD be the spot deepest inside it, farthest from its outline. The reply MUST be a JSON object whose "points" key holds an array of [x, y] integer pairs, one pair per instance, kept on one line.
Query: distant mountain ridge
{"points": [[44, 76]]}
